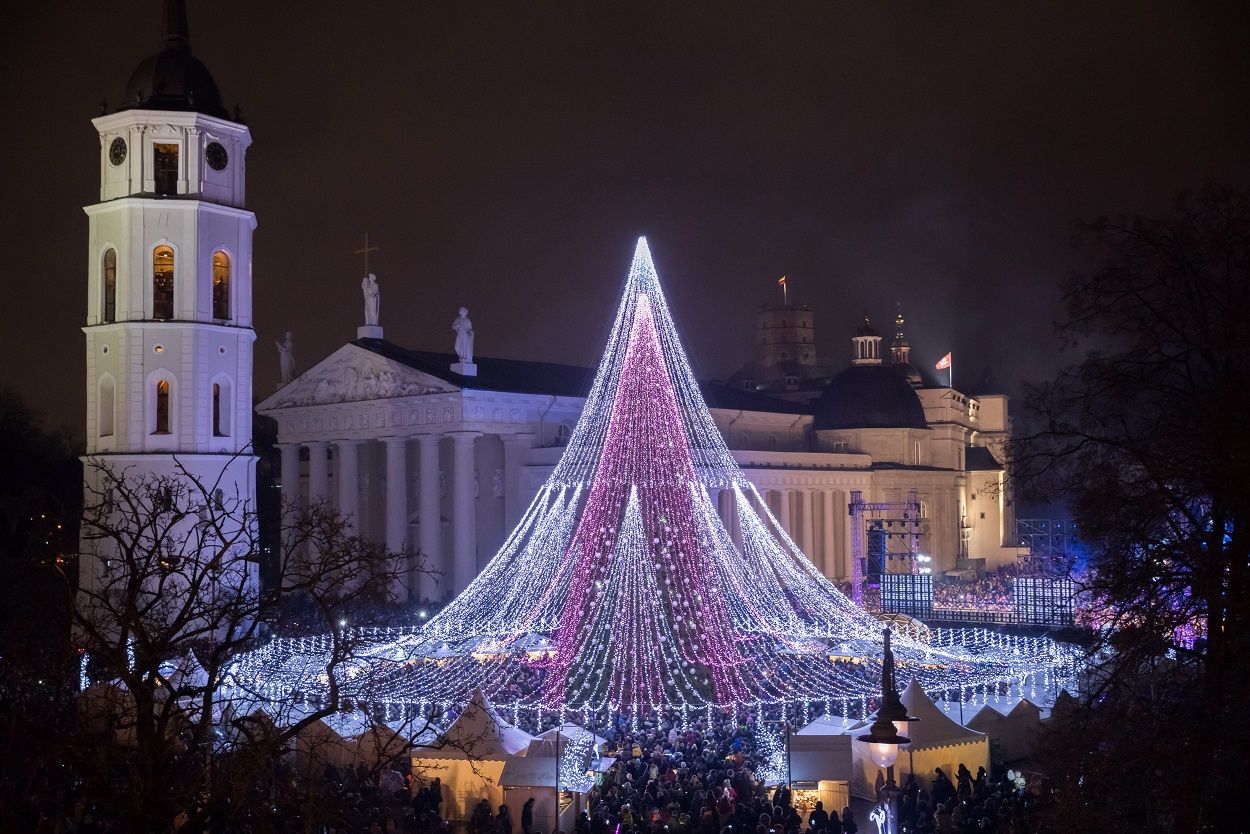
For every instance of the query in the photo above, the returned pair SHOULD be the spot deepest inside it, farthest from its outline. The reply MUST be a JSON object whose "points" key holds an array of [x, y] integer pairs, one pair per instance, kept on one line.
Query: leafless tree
{"points": [[169, 598], [1145, 437]]}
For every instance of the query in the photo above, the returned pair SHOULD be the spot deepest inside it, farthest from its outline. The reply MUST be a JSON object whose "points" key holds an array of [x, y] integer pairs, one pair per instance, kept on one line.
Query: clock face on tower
{"points": [[117, 151], [216, 156]]}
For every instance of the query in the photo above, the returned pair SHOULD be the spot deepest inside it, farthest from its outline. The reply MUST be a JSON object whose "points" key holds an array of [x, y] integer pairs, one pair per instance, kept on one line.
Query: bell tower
{"points": [[169, 281]]}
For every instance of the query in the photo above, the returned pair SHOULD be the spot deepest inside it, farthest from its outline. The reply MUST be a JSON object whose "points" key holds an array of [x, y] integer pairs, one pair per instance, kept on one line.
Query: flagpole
{"points": [[950, 369]]}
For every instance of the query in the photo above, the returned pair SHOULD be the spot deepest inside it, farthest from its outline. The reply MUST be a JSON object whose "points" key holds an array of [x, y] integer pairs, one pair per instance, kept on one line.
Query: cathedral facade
{"points": [[431, 459]]}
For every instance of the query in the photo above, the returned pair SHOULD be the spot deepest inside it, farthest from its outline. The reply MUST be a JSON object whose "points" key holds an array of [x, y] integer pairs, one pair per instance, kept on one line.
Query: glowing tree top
{"points": [[621, 588]]}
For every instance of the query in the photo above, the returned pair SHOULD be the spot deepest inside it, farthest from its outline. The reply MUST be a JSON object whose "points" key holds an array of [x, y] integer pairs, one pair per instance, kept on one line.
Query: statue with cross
{"points": [[370, 290]]}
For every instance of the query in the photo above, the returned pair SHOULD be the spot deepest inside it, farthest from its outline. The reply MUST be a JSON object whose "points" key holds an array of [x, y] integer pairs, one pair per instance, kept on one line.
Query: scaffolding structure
{"points": [[873, 526]]}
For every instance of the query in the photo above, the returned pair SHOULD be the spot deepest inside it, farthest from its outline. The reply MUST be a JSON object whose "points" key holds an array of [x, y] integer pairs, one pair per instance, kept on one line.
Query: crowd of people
{"points": [[971, 803], [992, 592]]}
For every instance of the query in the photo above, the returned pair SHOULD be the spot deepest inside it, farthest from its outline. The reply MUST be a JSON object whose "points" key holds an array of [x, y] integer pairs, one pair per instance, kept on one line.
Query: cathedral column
{"points": [[288, 561], [515, 454], [290, 477], [397, 512], [430, 524], [464, 510], [830, 527], [783, 511], [348, 483], [318, 472], [807, 529]]}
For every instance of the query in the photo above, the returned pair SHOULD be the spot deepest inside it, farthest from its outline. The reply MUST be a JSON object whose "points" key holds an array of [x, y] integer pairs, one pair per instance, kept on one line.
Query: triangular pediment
{"points": [[353, 374]]}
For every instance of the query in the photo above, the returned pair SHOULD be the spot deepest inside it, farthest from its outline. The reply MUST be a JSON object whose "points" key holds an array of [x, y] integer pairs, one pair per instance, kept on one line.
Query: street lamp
{"points": [[885, 736]]}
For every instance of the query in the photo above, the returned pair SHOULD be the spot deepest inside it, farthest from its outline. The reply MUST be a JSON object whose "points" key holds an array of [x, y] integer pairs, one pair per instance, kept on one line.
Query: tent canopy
{"points": [[479, 733], [830, 725], [573, 733], [934, 729]]}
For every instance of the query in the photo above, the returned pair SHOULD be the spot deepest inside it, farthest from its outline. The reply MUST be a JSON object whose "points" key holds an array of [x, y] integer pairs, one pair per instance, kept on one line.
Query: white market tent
{"points": [[936, 741], [1013, 731], [535, 776], [821, 756], [469, 757]]}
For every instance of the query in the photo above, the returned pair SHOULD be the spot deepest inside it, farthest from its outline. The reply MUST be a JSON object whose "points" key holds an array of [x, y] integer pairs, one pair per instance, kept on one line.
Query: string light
{"points": [[621, 590]]}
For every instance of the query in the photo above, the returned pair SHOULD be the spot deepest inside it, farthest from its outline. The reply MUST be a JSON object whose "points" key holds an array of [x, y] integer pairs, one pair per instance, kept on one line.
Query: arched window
{"points": [[221, 285], [221, 409], [162, 407], [106, 400], [109, 268], [163, 282]]}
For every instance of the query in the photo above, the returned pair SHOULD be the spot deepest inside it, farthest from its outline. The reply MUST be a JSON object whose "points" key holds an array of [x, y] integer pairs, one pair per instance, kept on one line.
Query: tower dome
{"points": [[173, 78], [869, 397], [869, 394]]}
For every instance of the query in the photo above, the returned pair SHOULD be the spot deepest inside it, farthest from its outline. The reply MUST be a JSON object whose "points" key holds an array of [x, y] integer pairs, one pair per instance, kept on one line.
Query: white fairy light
{"points": [[621, 590]]}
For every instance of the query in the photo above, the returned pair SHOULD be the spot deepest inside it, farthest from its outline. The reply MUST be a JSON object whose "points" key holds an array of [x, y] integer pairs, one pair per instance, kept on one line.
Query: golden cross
{"points": [[366, 252]]}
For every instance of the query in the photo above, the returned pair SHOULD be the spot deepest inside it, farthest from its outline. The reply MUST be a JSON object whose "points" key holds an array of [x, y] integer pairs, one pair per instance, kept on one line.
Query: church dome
{"points": [[869, 397], [173, 78]]}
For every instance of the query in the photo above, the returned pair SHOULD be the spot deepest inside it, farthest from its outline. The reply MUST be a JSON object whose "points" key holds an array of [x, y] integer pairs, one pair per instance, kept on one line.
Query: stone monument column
{"points": [[830, 527], [807, 528], [783, 512], [348, 484], [430, 529], [318, 472], [397, 511], [290, 476], [515, 450], [291, 501], [464, 510]]}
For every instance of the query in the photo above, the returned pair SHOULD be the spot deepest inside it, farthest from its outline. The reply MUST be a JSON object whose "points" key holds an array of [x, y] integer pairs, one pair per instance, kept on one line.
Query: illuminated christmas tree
{"points": [[621, 588]]}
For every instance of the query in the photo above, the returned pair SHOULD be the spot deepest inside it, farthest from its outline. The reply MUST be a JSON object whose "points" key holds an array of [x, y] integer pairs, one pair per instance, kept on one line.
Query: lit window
{"points": [[110, 286], [221, 285], [163, 282]]}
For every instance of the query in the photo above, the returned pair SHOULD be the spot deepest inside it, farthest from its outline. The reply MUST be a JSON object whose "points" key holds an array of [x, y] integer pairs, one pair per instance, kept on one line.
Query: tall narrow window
{"points": [[162, 407], [163, 282], [221, 408], [107, 397], [109, 268], [221, 285], [165, 168]]}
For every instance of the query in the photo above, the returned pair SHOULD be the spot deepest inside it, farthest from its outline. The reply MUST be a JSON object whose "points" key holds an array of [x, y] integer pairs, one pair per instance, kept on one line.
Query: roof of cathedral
{"points": [[553, 379], [173, 78], [869, 397]]}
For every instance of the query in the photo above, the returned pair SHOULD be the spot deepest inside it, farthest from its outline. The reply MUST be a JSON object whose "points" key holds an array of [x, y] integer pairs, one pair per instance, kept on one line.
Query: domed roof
{"points": [[173, 78], [869, 397]]}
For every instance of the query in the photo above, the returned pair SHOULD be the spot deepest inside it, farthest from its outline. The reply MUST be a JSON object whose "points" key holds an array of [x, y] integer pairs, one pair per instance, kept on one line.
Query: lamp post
{"points": [[885, 736]]}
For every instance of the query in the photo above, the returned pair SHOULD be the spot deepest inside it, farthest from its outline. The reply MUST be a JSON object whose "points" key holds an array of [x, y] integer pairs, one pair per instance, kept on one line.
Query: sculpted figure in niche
{"points": [[464, 337], [286, 357], [373, 301]]}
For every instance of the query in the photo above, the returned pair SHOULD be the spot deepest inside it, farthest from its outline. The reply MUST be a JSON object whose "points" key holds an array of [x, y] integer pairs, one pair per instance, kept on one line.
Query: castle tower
{"points": [[169, 282], [784, 333]]}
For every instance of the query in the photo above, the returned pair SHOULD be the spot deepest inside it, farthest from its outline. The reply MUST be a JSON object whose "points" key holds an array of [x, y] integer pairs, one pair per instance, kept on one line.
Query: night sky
{"points": [[505, 156]]}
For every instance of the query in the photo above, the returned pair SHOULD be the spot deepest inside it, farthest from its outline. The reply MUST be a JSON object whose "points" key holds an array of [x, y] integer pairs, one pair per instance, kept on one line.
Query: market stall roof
{"points": [[934, 729], [478, 733], [830, 725]]}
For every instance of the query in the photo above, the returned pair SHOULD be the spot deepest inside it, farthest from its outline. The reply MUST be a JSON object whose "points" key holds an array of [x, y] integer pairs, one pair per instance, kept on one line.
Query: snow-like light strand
{"points": [[622, 591]]}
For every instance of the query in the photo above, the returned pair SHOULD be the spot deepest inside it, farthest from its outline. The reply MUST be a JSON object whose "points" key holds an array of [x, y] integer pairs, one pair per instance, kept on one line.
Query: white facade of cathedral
{"points": [[169, 290], [392, 437]]}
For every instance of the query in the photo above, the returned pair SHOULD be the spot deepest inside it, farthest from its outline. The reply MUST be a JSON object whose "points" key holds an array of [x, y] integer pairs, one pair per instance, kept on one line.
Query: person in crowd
{"points": [[527, 816]]}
